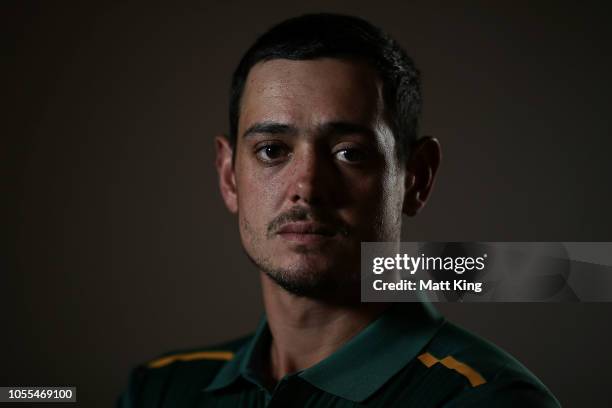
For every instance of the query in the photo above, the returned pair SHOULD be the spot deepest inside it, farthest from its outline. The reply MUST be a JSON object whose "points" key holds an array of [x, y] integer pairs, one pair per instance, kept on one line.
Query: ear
{"points": [[225, 170], [421, 169]]}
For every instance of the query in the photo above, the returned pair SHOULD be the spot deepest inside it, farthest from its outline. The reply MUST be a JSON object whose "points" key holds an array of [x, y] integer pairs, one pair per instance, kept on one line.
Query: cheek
{"points": [[393, 193], [250, 212], [255, 205], [261, 192], [252, 231], [378, 206], [255, 197], [366, 201], [377, 192]]}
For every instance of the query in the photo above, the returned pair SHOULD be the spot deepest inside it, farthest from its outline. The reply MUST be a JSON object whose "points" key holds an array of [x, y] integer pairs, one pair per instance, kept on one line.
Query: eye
{"points": [[351, 155], [271, 152]]}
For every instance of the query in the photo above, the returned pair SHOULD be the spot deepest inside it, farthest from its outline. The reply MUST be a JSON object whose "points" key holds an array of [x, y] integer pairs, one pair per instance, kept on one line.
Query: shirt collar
{"points": [[361, 366], [247, 361]]}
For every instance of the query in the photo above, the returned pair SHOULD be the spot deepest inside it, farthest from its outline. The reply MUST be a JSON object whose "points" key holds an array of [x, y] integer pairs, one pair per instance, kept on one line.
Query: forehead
{"points": [[311, 92]]}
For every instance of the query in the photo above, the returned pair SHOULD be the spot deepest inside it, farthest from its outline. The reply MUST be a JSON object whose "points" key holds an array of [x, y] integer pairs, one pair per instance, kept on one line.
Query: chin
{"points": [[315, 265], [315, 284]]}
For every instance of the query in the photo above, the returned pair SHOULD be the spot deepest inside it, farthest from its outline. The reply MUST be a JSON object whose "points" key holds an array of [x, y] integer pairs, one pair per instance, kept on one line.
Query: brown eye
{"points": [[351, 155], [271, 153]]}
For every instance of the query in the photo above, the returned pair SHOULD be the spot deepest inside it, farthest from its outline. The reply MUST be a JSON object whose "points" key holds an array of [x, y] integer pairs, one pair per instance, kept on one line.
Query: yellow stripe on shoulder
{"points": [[451, 363], [198, 355]]}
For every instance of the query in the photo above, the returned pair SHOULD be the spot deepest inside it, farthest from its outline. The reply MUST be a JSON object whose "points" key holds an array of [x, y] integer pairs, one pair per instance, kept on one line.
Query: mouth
{"points": [[306, 232]]}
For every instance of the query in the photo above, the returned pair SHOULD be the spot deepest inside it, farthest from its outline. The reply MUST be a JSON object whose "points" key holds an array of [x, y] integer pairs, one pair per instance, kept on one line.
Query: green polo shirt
{"points": [[408, 357]]}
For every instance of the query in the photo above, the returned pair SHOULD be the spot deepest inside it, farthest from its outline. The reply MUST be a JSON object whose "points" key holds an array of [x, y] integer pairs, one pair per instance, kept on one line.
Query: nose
{"points": [[311, 178]]}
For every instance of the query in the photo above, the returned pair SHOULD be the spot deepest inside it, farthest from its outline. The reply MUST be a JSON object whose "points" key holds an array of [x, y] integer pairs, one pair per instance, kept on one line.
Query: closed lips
{"points": [[306, 228]]}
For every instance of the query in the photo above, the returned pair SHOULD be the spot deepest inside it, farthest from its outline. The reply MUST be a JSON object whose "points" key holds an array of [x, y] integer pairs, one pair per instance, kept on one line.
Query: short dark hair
{"points": [[313, 36]]}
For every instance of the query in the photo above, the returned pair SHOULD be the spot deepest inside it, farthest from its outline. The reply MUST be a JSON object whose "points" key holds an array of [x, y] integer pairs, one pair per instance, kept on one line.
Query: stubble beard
{"points": [[299, 278]]}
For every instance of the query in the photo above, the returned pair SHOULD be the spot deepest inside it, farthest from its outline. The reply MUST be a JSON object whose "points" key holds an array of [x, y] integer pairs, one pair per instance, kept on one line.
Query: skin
{"points": [[315, 174]]}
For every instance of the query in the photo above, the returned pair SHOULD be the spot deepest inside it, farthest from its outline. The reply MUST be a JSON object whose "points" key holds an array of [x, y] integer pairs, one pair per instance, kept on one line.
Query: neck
{"points": [[306, 331]]}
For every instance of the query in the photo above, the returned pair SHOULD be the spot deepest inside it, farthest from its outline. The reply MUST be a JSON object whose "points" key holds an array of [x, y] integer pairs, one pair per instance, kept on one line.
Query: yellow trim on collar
{"points": [[451, 363], [199, 355]]}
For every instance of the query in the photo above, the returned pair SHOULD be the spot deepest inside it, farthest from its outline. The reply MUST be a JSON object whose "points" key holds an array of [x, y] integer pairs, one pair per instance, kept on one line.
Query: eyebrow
{"points": [[336, 128], [340, 128], [271, 128]]}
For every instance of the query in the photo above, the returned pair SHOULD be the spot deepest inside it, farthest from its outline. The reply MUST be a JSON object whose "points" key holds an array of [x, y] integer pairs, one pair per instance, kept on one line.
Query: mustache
{"points": [[304, 214]]}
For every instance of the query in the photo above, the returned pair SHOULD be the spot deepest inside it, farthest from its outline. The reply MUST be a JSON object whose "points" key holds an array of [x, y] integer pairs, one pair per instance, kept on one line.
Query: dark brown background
{"points": [[119, 247]]}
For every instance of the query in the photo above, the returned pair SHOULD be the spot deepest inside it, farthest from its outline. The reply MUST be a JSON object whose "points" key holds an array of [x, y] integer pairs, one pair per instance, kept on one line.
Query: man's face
{"points": [[315, 172]]}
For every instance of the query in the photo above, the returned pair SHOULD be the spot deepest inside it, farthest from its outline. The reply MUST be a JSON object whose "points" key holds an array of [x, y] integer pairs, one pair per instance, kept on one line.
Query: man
{"points": [[322, 155]]}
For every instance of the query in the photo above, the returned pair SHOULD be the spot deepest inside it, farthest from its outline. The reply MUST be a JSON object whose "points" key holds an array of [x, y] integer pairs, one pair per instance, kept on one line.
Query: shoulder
{"points": [[187, 369], [491, 376]]}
